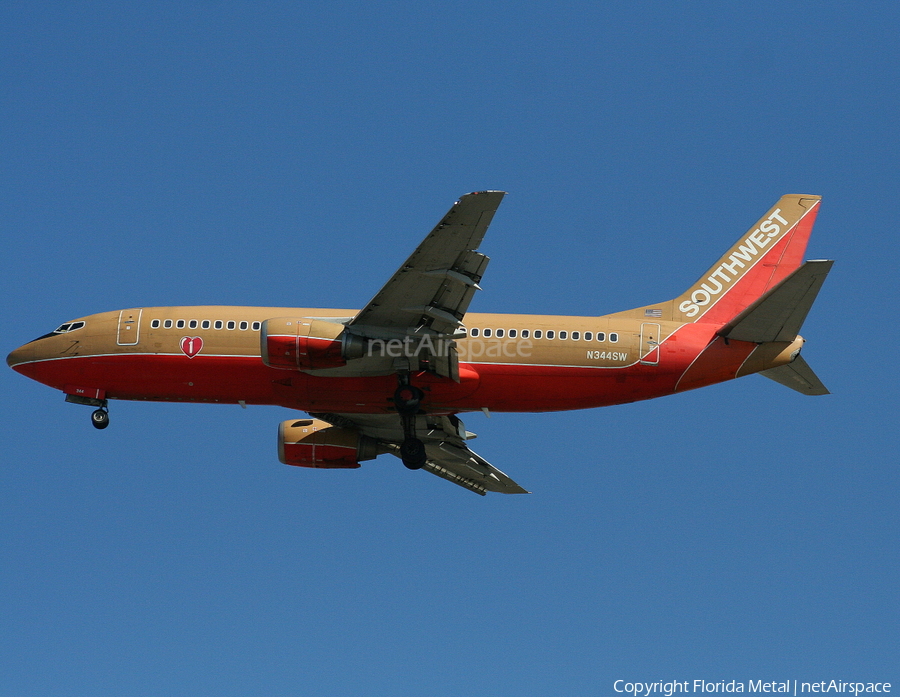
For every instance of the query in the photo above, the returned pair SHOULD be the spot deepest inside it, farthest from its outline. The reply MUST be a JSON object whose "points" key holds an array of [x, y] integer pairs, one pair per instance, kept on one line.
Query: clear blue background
{"points": [[293, 154]]}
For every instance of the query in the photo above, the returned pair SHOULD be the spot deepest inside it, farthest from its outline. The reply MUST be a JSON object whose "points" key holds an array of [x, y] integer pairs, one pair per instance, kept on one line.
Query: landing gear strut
{"points": [[407, 400], [100, 418]]}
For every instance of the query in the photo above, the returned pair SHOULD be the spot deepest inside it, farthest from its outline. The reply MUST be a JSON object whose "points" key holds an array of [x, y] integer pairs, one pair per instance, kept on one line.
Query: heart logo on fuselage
{"points": [[191, 345]]}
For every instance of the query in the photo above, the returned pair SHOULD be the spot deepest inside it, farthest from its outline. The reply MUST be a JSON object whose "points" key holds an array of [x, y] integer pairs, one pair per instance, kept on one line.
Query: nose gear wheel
{"points": [[100, 418]]}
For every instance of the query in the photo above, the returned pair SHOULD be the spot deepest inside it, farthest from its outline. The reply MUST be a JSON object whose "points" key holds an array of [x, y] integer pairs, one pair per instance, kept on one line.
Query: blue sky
{"points": [[293, 154]]}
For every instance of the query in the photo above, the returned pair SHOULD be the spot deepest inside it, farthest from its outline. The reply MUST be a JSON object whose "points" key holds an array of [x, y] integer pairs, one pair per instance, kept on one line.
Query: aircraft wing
{"points": [[430, 293], [445, 443], [458, 464]]}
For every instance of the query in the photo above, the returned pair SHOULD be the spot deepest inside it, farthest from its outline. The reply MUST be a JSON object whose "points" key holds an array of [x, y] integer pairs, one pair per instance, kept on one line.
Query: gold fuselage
{"points": [[508, 362]]}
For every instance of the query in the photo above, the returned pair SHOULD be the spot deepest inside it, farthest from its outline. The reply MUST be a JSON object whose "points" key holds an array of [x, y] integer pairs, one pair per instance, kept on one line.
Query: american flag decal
{"points": [[652, 313]]}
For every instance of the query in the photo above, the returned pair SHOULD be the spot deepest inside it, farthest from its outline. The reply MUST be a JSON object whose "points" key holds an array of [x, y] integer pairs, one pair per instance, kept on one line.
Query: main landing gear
{"points": [[407, 400]]}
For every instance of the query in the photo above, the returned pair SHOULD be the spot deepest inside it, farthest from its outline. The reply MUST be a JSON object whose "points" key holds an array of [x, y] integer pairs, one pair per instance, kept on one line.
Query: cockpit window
{"points": [[68, 327], [62, 329]]}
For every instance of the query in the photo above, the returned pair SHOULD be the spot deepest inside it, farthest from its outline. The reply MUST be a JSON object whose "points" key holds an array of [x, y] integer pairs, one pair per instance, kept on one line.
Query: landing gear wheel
{"points": [[100, 418], [407, 399], [412, 452]]}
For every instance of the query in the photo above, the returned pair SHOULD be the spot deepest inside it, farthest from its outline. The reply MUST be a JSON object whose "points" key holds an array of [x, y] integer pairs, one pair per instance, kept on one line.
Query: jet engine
{"points": [[307, 344], [315, 443]]}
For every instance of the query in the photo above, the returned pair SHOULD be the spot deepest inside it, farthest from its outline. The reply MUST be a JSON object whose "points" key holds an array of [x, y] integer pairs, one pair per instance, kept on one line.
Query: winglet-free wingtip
{"points": [[486, 192]]}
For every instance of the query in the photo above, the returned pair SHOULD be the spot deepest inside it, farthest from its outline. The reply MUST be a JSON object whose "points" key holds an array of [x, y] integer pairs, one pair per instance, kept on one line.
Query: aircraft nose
{"points": [[23, 354]]}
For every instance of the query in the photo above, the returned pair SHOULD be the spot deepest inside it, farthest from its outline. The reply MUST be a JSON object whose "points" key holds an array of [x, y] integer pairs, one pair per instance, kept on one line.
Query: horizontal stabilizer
{"points": [[798, 376], [779, 314]]}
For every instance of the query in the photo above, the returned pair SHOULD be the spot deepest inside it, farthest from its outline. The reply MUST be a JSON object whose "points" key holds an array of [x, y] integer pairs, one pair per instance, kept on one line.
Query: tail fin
{"points": [[767, 254]]}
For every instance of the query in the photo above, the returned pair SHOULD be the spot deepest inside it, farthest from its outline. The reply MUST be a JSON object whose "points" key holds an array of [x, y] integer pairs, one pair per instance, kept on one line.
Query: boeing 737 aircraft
{"points": [[394, 376]]}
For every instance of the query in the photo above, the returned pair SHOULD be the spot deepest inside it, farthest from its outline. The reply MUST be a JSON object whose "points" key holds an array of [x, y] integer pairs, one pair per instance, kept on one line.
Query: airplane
{"points": [[394, 376]]}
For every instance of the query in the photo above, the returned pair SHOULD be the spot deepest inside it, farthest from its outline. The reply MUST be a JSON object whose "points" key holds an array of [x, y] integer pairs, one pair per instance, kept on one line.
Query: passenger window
{"points": [[613, 337], [180, 324], [563, 335], [576, 336], [218, 324], [499, 333], [204, 324], [601, 336], [256, 326], [474, 332], [588, 336], [512, 333], [486, 332], [168, 324], [154, 324], [193, 324], [538, 334], [243, 326], [231, 324], [525, 334], [550, 333]]}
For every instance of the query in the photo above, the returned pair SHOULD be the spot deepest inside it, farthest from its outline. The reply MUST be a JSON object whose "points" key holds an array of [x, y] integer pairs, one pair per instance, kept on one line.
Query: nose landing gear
{"points": [[100, 418]]}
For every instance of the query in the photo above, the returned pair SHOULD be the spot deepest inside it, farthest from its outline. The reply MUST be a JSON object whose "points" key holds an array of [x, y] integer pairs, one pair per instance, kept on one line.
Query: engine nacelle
{"points": [[315, 443], [306, 344]]}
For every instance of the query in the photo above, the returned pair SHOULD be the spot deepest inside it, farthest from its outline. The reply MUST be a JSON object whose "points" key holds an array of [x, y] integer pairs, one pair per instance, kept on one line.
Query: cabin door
{"points": [[129, 332], [649, 343]]}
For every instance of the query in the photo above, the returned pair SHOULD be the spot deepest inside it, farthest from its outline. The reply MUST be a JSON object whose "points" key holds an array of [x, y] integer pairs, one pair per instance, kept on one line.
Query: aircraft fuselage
{"points": [[508, 362]]}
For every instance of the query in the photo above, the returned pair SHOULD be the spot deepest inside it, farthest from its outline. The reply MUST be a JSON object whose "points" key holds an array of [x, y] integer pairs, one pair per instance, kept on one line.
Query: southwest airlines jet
{"points": [[394, 376]]}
